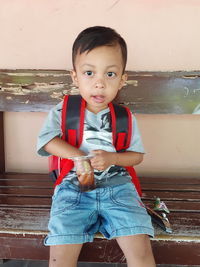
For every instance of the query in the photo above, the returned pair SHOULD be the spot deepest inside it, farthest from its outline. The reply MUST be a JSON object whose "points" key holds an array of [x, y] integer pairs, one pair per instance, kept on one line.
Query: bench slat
{"points": [[31, 247], [145, 186], [7, 200], [147, 195], [36, 220], [143, 180], [171, 195], [22, 183], [24, 219], [36, 202], [24, 176], [154, 92], [26, 191], [169, 180], [171, 187]]}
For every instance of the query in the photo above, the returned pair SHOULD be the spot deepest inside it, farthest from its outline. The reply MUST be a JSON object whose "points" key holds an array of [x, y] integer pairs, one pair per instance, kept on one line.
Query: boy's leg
{"points": [[137, 250], [64, 255]]}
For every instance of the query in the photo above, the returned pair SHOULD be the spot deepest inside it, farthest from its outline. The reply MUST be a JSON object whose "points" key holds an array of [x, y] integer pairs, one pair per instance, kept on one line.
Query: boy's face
{"points": [[98, 76]]}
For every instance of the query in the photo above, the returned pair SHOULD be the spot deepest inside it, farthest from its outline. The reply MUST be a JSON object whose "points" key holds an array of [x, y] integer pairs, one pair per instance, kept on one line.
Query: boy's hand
{"points": [[102, 159]]}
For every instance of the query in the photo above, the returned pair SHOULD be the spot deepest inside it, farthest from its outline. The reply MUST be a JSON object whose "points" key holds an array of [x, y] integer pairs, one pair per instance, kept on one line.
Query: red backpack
{"points": [[72, 125]]}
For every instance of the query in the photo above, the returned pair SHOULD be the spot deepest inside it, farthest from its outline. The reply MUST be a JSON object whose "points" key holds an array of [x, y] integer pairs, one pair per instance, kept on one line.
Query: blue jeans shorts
{"points": [[114, 211]]}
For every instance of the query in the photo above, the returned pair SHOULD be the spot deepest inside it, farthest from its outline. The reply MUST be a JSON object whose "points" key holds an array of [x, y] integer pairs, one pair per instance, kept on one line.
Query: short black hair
{"points": [[96, 36]]}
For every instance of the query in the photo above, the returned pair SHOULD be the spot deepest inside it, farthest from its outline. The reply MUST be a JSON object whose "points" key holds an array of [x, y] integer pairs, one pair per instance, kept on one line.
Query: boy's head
{"points": [[97, 36], [99, 59]]}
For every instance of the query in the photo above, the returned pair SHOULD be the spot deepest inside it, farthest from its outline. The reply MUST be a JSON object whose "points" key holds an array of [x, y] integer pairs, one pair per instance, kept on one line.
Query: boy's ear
{"points": [[74, 77], [123, 80]]}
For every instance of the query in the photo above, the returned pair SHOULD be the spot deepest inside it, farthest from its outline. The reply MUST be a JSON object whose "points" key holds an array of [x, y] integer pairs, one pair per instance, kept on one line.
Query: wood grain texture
{"points": [[24, 194], [145, 92], [25, 201], [31, 247]]}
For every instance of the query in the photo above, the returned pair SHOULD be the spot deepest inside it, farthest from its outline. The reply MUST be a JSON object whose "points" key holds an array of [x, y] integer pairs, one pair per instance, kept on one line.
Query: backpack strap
{"points": [[73, 119], [121, 120], [121, 126], [135, 179], [72, 124]]}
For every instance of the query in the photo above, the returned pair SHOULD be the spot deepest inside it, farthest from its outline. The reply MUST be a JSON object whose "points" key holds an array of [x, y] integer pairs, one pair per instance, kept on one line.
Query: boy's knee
{"points": [[137, 248], [143, 250], [144, 254], [64, 255]]}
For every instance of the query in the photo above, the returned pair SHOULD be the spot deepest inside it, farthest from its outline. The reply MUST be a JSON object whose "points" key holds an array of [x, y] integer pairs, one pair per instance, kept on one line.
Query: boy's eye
{"points": [[111, 74], [89, 73]]}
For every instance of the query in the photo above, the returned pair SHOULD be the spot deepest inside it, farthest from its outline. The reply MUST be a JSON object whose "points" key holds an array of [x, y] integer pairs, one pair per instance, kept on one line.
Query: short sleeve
{"points": [[50, 129], [136, 144]]}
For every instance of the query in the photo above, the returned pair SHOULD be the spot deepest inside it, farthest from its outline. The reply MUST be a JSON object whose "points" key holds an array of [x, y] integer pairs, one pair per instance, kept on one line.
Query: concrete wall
{"points": [[162, 35]]}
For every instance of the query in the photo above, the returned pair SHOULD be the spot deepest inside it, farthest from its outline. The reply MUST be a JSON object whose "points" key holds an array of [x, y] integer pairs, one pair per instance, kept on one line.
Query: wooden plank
{"points": [[186, 196], [166, 252], [24, 220], [26, 191], [34, 220], [148, 195], [37, 190], [172, 187], [181, 253], [45, 202], [185, 206], [2, 151], [23, 247], [25, 176], [7, 200], [28, 183], [145, 92], [171, 195], [184, 224], [49, 183], [169, 180], [175, 184], [46, 184], [143, 180]]}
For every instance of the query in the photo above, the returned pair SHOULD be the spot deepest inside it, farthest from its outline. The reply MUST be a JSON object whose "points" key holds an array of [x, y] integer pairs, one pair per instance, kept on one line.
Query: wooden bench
{"points": [[25, 199]]}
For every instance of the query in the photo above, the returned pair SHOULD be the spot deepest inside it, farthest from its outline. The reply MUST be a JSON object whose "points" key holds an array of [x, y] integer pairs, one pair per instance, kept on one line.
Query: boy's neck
{"points": [[96, 111]]}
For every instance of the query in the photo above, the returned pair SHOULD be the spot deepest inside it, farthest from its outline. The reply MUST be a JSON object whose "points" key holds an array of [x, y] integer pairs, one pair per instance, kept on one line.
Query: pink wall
{"points": [[161, 35]]}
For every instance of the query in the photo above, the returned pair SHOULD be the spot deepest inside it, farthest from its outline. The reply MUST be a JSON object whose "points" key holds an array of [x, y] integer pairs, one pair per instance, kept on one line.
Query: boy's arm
{"points": [[103, 159], [49, 139], [60, 148]]}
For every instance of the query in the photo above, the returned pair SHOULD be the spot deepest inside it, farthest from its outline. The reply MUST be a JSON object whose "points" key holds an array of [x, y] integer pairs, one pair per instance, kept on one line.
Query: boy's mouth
{"points": [[98, 98]]}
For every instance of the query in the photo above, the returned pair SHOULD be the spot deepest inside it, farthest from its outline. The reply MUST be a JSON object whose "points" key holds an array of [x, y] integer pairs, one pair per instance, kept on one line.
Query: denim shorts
{"points": [[114, 211]]}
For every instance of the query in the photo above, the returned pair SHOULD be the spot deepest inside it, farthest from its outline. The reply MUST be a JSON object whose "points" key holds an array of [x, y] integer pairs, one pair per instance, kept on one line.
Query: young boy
{"points": [[114, 208]]}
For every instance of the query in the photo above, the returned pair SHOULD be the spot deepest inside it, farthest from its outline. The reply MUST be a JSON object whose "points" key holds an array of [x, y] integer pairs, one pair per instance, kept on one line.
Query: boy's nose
{"points": [[99, 84]]}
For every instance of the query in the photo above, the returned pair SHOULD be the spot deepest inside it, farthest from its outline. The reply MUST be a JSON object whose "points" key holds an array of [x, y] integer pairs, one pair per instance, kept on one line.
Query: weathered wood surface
{"points": [[31, 247], [145, 92], [25, 201]]}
